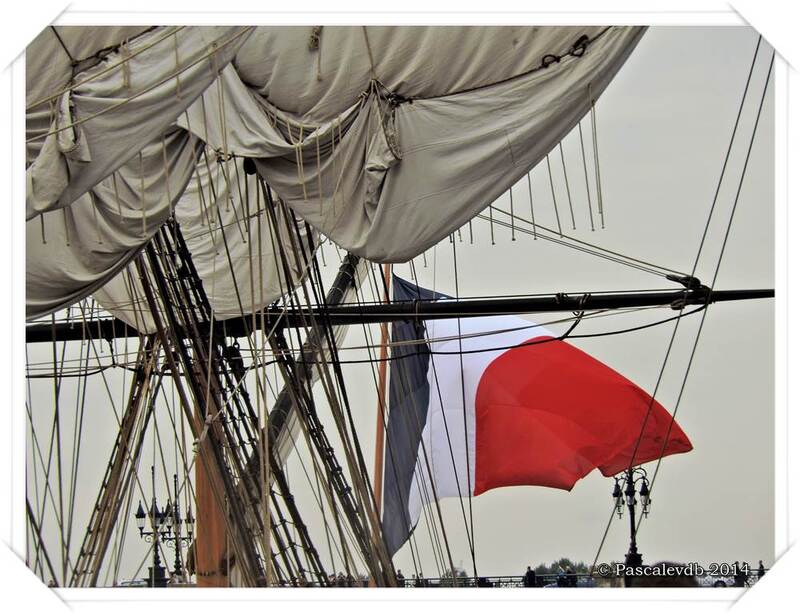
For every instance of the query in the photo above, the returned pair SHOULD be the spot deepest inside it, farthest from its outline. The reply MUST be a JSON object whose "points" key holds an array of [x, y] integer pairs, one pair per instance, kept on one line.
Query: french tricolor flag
{"points": [[507, 405]]}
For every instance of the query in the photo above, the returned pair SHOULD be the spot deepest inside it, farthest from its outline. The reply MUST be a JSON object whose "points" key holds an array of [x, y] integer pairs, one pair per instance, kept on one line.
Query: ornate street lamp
{"points": [[625, 483], [175, 523], [162, 523]]}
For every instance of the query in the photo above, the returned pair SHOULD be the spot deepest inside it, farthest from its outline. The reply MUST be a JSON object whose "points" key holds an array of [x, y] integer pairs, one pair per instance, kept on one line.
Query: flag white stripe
{"points": [[446, 408]]}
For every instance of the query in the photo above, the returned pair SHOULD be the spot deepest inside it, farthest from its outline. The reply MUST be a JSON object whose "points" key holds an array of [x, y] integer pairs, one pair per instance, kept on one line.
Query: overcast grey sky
{"points": [[663, 127]]}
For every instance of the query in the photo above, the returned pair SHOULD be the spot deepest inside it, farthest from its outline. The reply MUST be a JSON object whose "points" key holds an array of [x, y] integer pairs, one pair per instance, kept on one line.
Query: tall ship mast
{"points": [[243, 369]]}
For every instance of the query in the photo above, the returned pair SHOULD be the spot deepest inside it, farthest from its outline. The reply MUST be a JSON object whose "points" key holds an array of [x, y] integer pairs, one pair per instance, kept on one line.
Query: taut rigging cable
{"points": [[697, 257], [714, 278]]}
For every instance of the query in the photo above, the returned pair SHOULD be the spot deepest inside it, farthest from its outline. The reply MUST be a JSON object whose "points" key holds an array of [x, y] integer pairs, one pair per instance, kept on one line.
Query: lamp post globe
{"points": [[164, 526], [624, 494]]}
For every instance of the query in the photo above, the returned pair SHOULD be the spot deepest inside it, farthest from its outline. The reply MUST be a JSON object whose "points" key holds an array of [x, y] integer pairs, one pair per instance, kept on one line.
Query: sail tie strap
{"points": [[206, 426], [125, 53], [577, 50], [314, 44]]}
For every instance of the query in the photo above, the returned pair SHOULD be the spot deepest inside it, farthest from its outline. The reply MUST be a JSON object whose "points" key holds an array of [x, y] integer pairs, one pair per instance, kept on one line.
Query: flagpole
{"points": [[377, 471], [377, 475]]}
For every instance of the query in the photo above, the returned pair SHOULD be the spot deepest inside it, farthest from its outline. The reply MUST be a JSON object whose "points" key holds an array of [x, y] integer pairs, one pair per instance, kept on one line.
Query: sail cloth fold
{"points": [[529, 409], [113, 109], [58, 52], [52, 59], [384, 139], [238, 251], [77, 250], [410, 153]]}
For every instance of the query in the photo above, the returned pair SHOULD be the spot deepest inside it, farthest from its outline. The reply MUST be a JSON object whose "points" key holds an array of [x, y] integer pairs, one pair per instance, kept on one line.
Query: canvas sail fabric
{"points": [[106, 162], [113, 109], [401, 149], [233, 247], [384, 139], [78, 249], [74, 251], [312, 83], [49, 57], [492, 402], [52, 59]]}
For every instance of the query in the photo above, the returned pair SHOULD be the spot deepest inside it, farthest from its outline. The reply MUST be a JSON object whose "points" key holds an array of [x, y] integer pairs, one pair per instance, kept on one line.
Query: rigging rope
{"points": [[702, 242], [389, 447], [471, 531], [547, 340], [586, 175], [716, 272], [566, 183]]}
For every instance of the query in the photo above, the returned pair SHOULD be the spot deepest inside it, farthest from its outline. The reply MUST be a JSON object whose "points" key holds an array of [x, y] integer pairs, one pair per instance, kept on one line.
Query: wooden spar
{"points": [[343, 315], [377, 474]]}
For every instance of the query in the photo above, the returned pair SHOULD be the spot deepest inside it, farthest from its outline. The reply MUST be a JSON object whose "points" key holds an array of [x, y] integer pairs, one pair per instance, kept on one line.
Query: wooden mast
{"points": [[210, 543], [211, 535]]}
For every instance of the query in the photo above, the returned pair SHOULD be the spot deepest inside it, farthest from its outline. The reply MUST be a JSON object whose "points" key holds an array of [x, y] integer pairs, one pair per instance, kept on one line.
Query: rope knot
{"points": [[581, 303], [313, 40], [579, 47], [550, 59]]}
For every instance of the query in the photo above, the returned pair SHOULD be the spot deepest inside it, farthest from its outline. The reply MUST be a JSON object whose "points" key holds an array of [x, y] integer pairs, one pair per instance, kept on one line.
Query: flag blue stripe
{"points": [[409, 392]]}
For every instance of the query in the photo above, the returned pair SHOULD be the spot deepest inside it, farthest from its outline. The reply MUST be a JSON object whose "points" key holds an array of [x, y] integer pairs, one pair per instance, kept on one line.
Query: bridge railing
{"points": [[542, 580]]}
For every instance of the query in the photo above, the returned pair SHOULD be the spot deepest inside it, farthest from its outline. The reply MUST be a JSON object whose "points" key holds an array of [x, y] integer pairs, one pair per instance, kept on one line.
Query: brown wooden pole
{"points": [[210, 543], [377, 475], [211, 532], [377, 472]]}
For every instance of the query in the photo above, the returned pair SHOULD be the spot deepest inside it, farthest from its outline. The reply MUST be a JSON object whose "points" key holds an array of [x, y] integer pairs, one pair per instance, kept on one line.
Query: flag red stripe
{"points": [[547, 414]]}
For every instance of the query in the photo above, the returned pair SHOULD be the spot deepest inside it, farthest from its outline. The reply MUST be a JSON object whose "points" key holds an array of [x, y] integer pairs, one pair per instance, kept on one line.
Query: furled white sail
{"points": [[232, 243], [114, 108], [384, 139]]}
